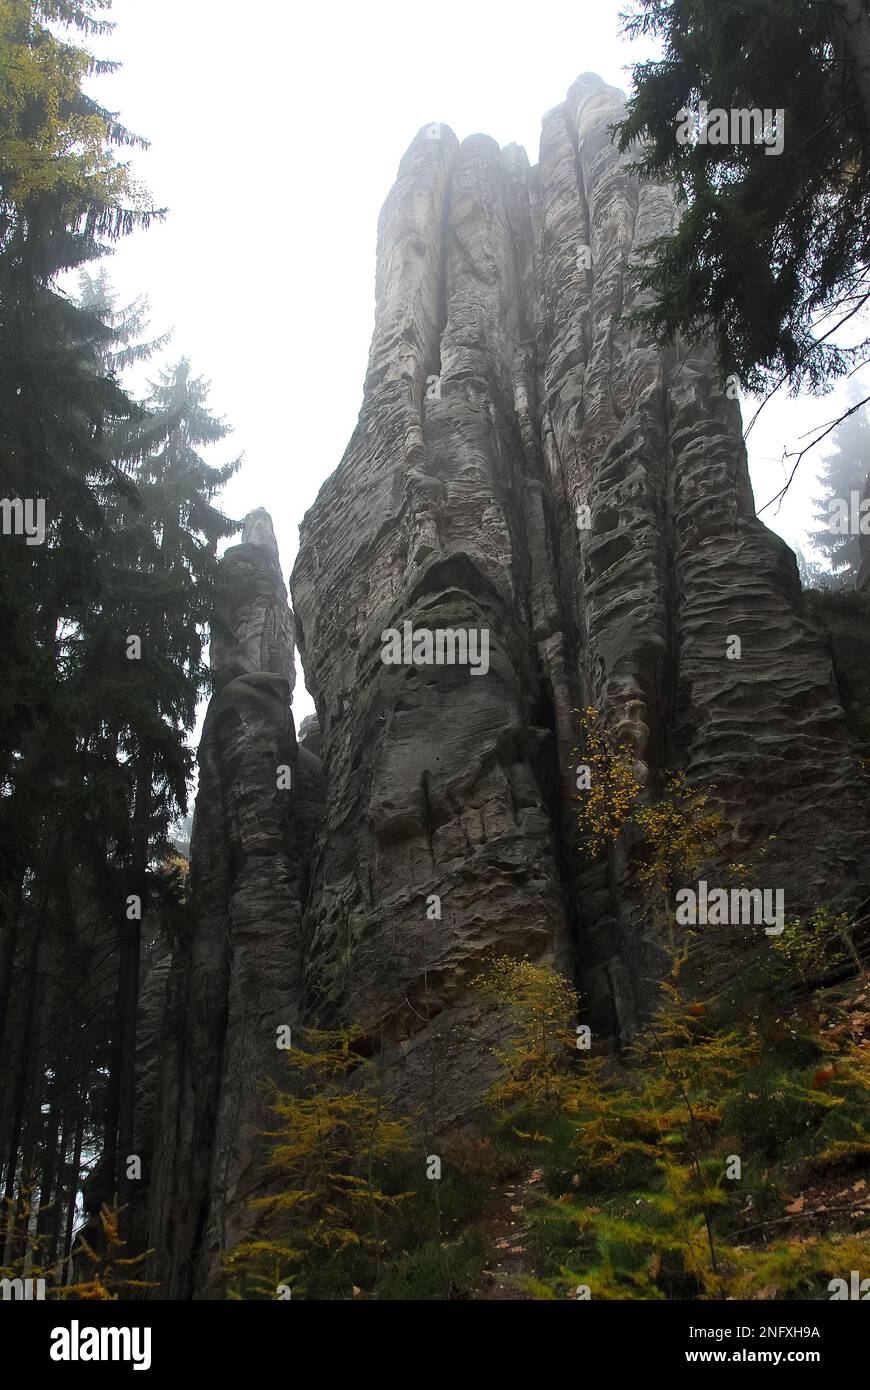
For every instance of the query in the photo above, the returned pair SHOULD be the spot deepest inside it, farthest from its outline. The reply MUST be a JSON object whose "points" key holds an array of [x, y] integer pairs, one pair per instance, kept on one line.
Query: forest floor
{"points": [[507, 1233]]}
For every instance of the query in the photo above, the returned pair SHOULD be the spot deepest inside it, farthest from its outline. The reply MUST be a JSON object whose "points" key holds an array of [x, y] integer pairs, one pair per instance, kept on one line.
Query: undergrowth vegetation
{"points": [[675, 1175]]}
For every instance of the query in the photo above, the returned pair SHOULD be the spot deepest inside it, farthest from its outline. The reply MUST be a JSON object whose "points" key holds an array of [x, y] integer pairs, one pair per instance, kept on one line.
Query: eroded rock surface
{"points": [[504, 389], [238, 977], [432, 820]]}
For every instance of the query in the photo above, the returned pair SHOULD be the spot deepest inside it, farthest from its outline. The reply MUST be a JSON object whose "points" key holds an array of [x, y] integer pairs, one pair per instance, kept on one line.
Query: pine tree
{"points": [[843, 472], [64, 198], [142, 649], [771, 252], [93, 755]]}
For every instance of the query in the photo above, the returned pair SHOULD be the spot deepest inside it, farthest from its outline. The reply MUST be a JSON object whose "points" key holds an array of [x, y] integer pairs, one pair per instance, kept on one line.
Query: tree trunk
{"points": [[74, 1176], [131, 943], [49, 1165], [19, 1093], [11, 1108], [108, 1162], [863, 580], [8, 943], [59, 1189], [27, 1101]]}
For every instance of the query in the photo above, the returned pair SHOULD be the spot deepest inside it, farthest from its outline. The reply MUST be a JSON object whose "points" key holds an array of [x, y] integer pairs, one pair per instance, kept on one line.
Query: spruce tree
{"points": [[772, 250], [64, 198], [142, 647], [843, 472]]}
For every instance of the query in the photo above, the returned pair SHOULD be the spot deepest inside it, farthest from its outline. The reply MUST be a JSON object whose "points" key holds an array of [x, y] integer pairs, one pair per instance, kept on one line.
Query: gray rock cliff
{"points": [[238, 977], [504, 391]]}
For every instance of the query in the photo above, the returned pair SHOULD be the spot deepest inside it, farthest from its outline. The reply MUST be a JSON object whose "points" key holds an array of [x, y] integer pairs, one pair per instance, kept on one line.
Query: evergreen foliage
{"points": [[94, 759], [323, 1227], [771, 253], [843, 472]]}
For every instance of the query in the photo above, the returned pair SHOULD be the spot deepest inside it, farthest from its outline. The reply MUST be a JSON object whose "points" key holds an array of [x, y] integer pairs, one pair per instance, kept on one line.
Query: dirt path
{"points": [[508, 1233]]}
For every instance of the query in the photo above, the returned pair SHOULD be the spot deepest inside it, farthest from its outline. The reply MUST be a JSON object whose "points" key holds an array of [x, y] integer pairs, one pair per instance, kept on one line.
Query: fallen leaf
{"points": [[796, 1206], [859, 1185], [536, 1175], [516, 1208]]}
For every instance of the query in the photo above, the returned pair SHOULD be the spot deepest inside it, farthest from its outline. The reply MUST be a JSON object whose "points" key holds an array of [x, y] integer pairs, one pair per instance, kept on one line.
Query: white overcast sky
{"points": [[276, 132]]}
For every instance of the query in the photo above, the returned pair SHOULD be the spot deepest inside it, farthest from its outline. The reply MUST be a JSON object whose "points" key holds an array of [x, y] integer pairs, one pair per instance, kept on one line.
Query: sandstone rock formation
{"points": [[237, 978], [503, 389], [505, 393]]}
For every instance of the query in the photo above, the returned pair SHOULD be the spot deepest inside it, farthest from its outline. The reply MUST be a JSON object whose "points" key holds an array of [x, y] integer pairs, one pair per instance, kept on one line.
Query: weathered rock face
{"points": [[503, 390], [504, 395], [238, 977]]}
